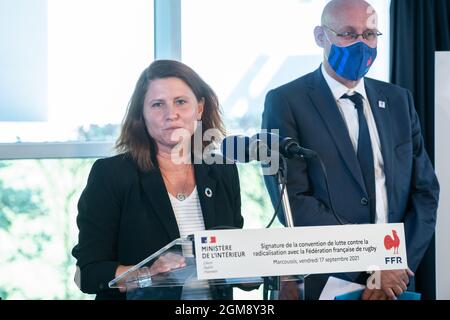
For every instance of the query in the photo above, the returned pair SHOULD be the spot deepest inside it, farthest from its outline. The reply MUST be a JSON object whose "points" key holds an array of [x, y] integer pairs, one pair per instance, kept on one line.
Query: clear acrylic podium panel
{"points": [[141, 282]]}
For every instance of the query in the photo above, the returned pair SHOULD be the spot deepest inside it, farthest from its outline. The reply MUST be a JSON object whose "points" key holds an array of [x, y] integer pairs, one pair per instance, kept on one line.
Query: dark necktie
{"points": [[365, 153]]}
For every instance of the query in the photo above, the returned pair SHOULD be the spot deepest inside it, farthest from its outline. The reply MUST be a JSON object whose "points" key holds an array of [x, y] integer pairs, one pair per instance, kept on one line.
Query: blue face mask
{"points": [[352, 62]]}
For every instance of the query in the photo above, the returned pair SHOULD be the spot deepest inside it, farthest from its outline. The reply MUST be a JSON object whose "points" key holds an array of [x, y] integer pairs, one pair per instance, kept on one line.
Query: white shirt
{"points": [[350, 116], [188, 214]]}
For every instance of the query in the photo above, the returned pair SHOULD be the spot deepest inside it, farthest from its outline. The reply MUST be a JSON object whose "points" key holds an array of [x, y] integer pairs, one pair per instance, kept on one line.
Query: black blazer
{"points": [[125, 215]]}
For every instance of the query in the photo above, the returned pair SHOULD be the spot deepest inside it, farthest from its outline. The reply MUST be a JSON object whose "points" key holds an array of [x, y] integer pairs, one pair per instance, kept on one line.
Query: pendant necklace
{"points": [[181, 196]]}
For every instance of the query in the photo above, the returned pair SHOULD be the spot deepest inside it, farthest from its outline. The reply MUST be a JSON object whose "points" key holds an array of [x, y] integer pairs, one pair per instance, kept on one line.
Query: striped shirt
{"points": [[188, 214]]}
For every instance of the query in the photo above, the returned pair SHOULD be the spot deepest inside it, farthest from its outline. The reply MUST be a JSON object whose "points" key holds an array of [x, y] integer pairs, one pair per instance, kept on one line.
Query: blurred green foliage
{"points": [[95, 132], [37, 214]]}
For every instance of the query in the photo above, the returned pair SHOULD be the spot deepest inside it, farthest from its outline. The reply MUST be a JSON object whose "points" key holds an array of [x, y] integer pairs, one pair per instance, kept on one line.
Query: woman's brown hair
{"points": [[134, 137]]}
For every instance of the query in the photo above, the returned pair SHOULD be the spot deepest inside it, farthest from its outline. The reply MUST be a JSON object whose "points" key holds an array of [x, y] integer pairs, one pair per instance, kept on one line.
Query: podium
{"points": [[141, 282]]}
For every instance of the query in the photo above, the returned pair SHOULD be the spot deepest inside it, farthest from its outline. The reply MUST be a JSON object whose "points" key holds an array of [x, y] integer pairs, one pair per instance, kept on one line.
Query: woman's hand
{"points": [[166, 263]]}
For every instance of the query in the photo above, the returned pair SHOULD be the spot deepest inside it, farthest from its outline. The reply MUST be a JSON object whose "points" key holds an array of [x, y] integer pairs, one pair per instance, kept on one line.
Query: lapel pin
{"points": [[208, 192], [382, 104]]}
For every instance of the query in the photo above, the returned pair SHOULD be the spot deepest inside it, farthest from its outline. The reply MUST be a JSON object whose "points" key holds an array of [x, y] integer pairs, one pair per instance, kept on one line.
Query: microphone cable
{"points": [[325, 176], [283, 190]]}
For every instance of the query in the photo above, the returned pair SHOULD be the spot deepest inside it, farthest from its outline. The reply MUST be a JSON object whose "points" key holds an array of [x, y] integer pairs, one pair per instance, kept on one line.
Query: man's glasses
{"points": [[368, 35]]}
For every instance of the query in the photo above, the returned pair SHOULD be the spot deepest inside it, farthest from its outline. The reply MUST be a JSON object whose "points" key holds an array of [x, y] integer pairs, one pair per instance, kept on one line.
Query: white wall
{"points": [[442, 115]]}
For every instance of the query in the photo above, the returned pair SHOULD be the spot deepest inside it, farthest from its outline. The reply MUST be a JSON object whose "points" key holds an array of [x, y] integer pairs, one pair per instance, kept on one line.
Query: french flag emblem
{"points": [[211, 239]]}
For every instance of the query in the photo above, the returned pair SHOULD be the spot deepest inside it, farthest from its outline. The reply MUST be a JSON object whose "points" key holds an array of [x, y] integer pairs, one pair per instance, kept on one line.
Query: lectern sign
{"points": [[222, 254]]}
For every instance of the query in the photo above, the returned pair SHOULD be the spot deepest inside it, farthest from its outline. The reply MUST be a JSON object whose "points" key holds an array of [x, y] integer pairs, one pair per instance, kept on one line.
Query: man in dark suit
{"points": [[368, 134]]}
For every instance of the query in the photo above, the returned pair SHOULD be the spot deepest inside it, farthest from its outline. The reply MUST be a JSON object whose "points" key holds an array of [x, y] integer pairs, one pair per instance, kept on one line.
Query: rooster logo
{"points": [[390, 242]]}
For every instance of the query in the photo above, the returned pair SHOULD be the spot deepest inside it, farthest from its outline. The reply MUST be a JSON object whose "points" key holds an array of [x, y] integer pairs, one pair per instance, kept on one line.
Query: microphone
{"points": [[268, 146], [261, 146], [243, 149], [288, 147]]}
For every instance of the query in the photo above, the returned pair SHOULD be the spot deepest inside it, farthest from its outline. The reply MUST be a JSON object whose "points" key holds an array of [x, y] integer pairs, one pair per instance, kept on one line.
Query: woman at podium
{"points": [[159, 187]]}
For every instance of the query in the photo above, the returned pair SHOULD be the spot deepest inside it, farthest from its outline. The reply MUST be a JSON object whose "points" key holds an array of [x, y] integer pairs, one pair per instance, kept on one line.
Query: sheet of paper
{"points": [[336, 287]]}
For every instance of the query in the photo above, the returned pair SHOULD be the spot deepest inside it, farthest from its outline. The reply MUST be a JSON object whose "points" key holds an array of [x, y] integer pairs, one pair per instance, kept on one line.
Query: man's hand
{"points": [[289, 290], [395, 282], [374, 294]]}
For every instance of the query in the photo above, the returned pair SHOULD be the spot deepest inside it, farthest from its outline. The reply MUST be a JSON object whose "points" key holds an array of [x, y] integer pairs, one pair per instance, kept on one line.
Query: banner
{"points": [[222, 254]]}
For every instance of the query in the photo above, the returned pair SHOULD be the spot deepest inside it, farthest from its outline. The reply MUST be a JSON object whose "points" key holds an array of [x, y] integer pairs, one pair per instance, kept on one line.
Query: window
{"points": [[245, 48], [93, 51], [37, 227], [88, 56]]}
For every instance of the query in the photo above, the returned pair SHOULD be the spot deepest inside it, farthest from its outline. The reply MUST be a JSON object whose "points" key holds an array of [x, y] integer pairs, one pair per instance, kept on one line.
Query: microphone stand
{"points": [[282, 181], [272, 285]]}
